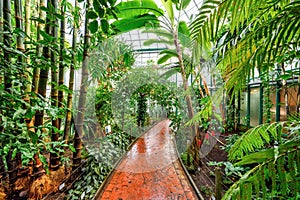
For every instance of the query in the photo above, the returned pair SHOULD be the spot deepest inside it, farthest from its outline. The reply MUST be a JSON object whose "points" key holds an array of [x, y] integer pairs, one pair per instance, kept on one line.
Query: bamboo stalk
{"points": [[27, 46], [39, 49], [61, 57], [298, 97], [1, 22], [1, 33], [7, 40], [43, 76], [54, 158], [19, 25], [3, 173], [82, 96], [71, 80]]}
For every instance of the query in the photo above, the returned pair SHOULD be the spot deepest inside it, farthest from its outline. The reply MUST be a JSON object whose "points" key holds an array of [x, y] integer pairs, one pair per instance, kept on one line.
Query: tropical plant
{"points": [[273, 159]]}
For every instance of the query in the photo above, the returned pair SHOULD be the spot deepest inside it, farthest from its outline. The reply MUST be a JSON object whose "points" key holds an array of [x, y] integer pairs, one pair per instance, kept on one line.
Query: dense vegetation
{"points": [[43, 120]]}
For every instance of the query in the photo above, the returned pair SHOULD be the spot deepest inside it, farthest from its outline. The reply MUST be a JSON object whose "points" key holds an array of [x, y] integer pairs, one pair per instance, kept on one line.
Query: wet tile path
{"points": [[150, 170]]}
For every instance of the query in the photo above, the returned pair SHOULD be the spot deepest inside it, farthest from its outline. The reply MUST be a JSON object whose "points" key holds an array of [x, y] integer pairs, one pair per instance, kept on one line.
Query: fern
{"points": [[273, 176], [255, 139]]}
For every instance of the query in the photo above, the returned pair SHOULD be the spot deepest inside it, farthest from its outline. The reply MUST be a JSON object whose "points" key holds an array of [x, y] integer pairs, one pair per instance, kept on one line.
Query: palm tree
{"points": [[175, 34]]}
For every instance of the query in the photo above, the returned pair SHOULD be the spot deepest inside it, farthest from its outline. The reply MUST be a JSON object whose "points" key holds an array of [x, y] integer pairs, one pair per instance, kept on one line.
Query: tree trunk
{"points": [[7, 40], [54, 158], [187, 97], [61, 58], [71, 80], [39, 49], [82, 96]]}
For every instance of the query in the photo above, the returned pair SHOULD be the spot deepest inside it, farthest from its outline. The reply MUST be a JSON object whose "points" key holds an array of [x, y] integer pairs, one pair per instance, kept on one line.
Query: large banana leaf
{"points": [[131, 9], [125, 25]]}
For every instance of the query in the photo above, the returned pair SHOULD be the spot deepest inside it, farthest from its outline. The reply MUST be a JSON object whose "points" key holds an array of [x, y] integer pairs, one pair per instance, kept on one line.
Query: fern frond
{"points": [[255, 139], [281, 171]]}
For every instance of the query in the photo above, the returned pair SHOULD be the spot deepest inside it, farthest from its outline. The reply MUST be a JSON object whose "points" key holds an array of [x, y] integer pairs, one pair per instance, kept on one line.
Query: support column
{"points": [[248, 106], [261, 104]]}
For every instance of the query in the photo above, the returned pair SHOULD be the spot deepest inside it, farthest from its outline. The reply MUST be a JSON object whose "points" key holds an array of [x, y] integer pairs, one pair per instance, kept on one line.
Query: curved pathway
{"points": [[150, 170]]}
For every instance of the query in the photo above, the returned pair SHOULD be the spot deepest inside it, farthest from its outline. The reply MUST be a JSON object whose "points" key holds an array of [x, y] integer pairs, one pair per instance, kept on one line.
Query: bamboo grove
{"points": [[34, 58]]}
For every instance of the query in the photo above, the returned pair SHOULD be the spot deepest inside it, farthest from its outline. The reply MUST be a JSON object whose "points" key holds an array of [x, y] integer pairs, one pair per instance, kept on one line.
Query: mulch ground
{"points": [[204, 176]]}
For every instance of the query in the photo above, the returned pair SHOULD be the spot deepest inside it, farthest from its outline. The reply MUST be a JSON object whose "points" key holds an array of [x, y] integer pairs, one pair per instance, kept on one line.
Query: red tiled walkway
{"points": [[150, 170]]}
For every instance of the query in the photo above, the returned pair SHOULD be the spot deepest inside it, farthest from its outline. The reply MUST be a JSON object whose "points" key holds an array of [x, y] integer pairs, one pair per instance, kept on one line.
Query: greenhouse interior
{"points": [[149, 99]]}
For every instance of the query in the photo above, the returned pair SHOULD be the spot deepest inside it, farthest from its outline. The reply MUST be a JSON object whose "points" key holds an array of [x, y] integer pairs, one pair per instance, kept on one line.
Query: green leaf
{"points": [[168, 5], [91, 14], [185, 4], [157, 41], [72, 148], [132, 9], [93, 26], [125, 25], [163, 59], [171, 52], [257, 157], [112, 2], [104, 25], [33, 136]]}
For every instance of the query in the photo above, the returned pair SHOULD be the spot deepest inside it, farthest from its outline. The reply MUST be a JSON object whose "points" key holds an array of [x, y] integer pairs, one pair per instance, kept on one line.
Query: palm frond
{"points": [[259, 43]]}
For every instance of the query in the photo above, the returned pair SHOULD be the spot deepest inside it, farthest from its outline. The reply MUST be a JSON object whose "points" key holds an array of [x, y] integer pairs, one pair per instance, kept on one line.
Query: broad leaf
{"points": [[93, 26], [168, 5], [125, 25], [131, 9]]}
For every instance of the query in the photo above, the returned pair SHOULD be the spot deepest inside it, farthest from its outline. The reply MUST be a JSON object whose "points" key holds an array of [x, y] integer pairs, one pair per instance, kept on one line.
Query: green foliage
{"points": [[273, 160], [100, 162], [136, 14], [256, 139], [230, 140]]}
